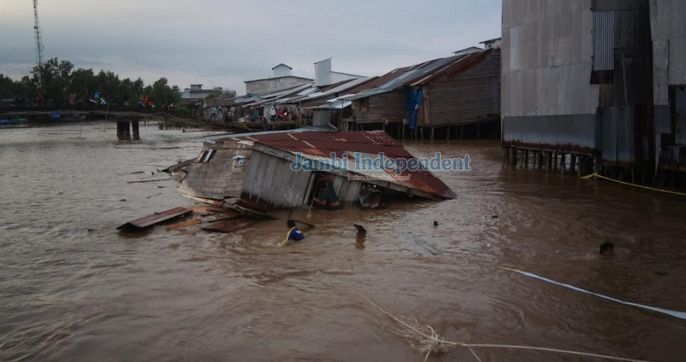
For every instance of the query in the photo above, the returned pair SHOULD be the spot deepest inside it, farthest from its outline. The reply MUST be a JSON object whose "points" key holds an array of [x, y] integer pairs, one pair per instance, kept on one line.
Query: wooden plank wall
{"points": [[217, 178], [462, 98], [381, 108]]}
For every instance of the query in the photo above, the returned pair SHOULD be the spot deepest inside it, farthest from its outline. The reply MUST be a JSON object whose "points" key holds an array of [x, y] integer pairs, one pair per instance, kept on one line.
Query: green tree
{"points": [[56, 80], [82, 83], [53, 78], [9, 88], [162, 94]]}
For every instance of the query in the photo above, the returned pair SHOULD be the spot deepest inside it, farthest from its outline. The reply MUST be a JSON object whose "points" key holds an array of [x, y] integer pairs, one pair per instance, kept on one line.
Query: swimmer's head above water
{"points": [[607, 249]]}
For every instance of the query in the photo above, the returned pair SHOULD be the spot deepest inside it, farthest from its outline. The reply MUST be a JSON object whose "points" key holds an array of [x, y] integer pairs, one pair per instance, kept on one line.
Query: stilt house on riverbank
{"points": [[595, 84], [438, 96]]}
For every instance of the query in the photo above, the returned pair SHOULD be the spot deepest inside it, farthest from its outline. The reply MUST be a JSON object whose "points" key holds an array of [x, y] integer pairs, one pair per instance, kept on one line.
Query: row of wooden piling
{"points": [[551, 161], [421, 133]]}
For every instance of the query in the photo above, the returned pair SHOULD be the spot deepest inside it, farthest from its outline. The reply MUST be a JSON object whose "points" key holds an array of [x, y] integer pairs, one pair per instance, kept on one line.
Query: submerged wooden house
{"points": [[260, 167], [440, 94]]}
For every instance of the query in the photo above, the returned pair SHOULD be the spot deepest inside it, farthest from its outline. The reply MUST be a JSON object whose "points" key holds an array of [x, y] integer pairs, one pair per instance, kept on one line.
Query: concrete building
{"points": [[280, 79], [495, 43], [324, 75], [196, 93], [587, 83]]}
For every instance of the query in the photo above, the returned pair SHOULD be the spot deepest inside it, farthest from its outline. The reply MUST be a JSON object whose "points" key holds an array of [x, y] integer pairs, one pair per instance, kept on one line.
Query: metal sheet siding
{"points": [[271, 180], [603, 40], [571, 132], [618, 128], [547, 59]]}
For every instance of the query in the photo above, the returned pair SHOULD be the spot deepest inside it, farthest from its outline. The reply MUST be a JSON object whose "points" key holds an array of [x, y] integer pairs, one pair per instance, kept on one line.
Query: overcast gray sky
{"points": [[224, 42]]}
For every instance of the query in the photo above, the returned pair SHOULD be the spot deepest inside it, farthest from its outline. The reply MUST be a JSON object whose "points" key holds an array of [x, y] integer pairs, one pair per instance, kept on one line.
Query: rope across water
{"points": [[597, 175]]}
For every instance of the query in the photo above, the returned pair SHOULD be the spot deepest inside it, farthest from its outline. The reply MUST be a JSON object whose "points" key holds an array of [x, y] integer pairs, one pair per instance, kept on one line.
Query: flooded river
{"points": [[73, 289]]}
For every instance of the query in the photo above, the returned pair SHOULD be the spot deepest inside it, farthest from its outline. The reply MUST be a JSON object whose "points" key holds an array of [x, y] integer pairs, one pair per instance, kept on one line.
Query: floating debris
{"points": [[145, 181], [228, 226], [156, 218]]}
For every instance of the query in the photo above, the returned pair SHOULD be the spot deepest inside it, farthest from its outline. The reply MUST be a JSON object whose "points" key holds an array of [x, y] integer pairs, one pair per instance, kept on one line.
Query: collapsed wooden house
{"points": [[442, 94], [260, 167]]}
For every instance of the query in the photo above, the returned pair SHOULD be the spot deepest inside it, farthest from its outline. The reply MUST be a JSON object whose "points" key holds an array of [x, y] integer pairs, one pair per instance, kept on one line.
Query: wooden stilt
{"points": [[514, 157], [135, 130], [124, 131], [562, 162]]}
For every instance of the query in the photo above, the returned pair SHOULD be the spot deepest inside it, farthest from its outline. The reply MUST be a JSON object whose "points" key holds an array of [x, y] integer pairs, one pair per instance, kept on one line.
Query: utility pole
{"points": [[39, 41]]}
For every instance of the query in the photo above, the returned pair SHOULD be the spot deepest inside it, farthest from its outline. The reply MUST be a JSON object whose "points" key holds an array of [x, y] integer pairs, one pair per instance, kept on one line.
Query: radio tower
{"points": [[39, 42]]}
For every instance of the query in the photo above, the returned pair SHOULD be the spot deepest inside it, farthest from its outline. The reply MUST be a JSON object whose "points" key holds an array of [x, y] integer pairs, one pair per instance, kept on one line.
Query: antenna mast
{"points": [[39, 41]]}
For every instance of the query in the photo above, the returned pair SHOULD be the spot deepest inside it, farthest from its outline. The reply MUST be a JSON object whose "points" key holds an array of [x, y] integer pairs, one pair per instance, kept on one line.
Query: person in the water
{"points": [[607, 249], [294, 234]]}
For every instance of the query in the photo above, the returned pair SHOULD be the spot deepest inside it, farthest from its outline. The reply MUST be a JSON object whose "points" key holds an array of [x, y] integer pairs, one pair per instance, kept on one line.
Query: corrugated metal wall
{"points": [[603, 40], [669, 45], [618, 129], [547, 50], [271, 180], [622, 43], [680, 114], [565, 132], [347, 190]]}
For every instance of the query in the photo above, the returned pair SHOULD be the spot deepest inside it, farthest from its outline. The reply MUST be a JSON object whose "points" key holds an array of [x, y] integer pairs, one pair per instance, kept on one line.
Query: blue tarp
{"points": [[415, 99]]}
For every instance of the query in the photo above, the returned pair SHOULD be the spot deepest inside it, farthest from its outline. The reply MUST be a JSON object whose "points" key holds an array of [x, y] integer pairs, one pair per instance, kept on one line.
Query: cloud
{"points": [[223, 43]]}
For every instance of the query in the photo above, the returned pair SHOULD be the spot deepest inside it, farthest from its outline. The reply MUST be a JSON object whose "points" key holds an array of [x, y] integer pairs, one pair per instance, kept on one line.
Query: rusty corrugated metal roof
{"points": [[346, 143]]}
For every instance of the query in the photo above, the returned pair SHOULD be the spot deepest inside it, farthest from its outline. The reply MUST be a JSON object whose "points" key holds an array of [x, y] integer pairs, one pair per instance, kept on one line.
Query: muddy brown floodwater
{"points": [[73, 289]]}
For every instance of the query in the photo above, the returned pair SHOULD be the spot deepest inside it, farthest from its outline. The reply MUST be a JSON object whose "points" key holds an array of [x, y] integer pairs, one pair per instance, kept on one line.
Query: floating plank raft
{"points": [[156, 218], [228, 226]]}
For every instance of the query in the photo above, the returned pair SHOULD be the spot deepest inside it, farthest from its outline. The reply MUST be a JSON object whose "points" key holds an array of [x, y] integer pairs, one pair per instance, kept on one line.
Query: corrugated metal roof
{"points": [[335, 90], [332, 105], [458, 65], [404, 76], [320, 145], [275, 97]]}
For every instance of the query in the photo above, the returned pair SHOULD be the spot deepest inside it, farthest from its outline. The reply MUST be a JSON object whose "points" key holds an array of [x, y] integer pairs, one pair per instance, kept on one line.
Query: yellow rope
{"points": [[596, 175], [435, 340]]}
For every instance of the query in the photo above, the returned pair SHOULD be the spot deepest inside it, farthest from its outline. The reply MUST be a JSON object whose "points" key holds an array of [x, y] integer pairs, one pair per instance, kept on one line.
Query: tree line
{"points": [[56, 83]]}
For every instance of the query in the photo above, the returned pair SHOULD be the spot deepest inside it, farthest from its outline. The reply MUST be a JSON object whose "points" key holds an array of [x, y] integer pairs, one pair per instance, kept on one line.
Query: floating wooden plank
{"points": [[228, 226], [183, 224], [247, 208], [146, 181], [205, 210], [156, 218], [221, 217]]}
